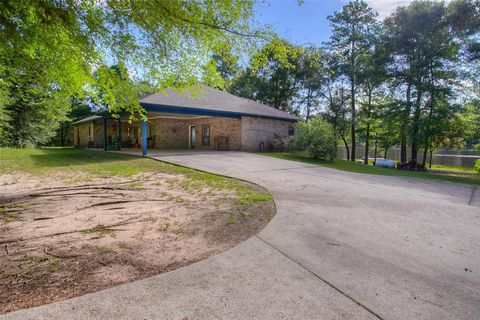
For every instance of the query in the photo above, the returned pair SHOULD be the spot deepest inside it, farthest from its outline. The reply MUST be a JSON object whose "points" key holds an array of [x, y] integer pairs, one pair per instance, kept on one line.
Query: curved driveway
{"points": [[342, 246]]}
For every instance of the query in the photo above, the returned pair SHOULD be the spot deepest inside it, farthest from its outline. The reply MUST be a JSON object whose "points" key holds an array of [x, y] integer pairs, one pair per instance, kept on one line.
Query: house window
{"points": [[205, 134], [291, 131]]}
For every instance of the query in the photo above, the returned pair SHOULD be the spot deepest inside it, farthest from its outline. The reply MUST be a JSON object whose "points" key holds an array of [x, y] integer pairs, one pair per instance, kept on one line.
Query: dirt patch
{"points": [[64, 235]]}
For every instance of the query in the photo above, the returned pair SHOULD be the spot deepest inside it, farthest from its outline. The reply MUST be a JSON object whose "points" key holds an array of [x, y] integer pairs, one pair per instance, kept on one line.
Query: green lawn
{"points": [[46, 160], [460, 175]]}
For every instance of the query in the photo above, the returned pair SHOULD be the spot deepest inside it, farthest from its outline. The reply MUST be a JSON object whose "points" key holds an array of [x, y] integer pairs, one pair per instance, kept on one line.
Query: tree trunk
{"points": [[376, 148], [308, 104], [416, 127], [431, 155], [367, 133], [403, 136], [62, 136], [352, 88], [346, 147], [385, 152], [424, 160], [403, 147], [427, 129]]}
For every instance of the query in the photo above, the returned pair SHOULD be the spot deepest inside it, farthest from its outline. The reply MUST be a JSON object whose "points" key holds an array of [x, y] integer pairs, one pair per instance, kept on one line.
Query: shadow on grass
{"points": [[44, 160], [54, 158]]}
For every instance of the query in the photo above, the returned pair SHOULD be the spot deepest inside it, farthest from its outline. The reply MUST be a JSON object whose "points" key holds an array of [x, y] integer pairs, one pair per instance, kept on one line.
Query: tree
{"points": [[470, 117], [371, 76], [334, 99], [70, 44], [225, 65], [317, 137], [389, 115], [311, 78], [353, 30], [425, 43], [34, 108], [272, 76], [79, 110]]}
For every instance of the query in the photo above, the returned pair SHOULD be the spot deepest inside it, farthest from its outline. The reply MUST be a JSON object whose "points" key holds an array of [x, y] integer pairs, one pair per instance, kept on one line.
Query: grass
{"points": [[46, 160], [457, 175], [41, 161]]}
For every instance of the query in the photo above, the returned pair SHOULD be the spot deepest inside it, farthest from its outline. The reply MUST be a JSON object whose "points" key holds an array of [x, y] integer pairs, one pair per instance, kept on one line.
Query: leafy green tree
{"points": [[79, 110], [311, 79], [317, 137], [389, 116], [477, 165], [35, 108], [470, 117], [70, 44], [224, 68], [354, 29], [371, 76], [336, 111], [246, 84], [425, 43], [272, 76]]}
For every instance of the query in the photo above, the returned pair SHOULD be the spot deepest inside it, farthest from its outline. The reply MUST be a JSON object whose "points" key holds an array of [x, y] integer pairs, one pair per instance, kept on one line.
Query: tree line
{"points": [[410, 80]]}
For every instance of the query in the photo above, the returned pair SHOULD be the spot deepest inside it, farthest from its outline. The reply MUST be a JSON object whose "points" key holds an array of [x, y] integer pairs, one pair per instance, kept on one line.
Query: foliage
{"points": [[354, 33], [477, 165], [271, 78], [79, 110], [34, 107], [316, 137], [470, 118], [311, 78], [64, 47]]}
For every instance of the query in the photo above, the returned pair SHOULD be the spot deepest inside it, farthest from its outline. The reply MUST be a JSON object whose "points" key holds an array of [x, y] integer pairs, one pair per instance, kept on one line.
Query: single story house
{"points": [[211, 119]]}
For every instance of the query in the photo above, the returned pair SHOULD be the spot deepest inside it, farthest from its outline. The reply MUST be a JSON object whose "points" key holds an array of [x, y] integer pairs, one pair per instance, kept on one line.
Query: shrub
{"points": [[317, 138], [477, 165]]}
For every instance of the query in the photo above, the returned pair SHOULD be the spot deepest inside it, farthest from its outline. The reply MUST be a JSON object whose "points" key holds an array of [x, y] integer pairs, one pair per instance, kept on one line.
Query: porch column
{"points": [[119, 134], [104, 133], [144, 138]]}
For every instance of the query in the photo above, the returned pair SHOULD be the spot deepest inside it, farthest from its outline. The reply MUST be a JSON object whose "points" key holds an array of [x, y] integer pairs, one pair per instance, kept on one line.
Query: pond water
{"points": [[464, 159]]}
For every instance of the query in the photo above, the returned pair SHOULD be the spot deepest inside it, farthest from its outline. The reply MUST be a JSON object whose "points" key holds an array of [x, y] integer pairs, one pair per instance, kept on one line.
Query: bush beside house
{"points": [[317, 138]]}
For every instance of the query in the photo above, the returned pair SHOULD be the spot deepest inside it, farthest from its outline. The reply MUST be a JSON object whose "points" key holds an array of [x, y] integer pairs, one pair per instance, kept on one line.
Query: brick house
{"points": [[211, 119]]}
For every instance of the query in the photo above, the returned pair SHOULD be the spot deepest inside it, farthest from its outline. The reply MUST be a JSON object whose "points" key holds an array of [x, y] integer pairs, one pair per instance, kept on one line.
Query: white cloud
{"points": [[386, 7]]}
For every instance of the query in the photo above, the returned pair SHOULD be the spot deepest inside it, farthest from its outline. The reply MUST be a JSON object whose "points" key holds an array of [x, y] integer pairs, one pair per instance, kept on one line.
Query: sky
{"points": [[307, 23]]}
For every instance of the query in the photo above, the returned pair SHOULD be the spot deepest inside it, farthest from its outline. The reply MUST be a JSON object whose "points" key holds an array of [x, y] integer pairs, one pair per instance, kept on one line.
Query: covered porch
{"points": [[167, 131]]}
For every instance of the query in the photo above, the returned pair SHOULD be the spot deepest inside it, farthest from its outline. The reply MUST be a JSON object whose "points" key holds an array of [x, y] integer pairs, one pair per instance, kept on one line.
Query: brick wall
{"points": [[82, 134], [244, 134], [170, 133], [258, 130], [219, 127], [174, 133]]}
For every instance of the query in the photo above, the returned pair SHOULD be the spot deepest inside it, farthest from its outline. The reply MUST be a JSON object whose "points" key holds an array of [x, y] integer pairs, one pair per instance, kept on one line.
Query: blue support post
{"points": [[144, 138]]}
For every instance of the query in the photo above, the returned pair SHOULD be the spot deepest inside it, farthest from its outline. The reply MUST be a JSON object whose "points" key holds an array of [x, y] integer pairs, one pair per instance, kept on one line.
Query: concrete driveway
{"points": [[342, 246]]}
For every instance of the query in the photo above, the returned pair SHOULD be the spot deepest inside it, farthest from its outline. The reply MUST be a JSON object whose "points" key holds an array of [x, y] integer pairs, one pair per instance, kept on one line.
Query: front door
{"points": [[192, 137]]}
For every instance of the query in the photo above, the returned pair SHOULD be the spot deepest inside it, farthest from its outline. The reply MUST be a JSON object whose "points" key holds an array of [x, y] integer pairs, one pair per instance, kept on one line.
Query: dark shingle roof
{"points": [[208, 98], [88, 119]]}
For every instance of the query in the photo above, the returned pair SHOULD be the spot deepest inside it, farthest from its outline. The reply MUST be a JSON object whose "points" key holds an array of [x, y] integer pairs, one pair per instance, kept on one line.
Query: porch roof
{"points": [[87, 119]]}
